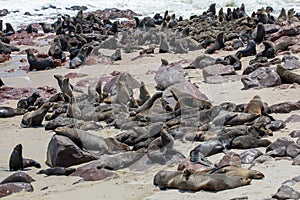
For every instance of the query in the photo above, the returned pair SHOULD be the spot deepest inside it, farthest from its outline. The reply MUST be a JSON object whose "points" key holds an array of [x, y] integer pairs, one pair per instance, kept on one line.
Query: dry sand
{"points": [[139, 185]]}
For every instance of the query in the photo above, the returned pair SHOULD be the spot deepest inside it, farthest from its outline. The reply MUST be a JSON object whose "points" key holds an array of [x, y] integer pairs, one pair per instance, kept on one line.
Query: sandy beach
{"points": [[130, 184]]}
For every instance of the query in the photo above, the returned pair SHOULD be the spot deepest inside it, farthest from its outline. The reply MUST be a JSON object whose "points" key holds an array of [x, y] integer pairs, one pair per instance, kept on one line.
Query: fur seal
{"points": [[247, 142], [286, 76], [269, 51], [260, 34], [38, 64], [16, 159], [91, 142], [231, 170], [57, 171], [144, 94], [255, 106], [10, 112], [36, 117], [81, 57], [26, 102], [188, 180], [234, 61], [219, 44], [250, 50], [17, 162]]}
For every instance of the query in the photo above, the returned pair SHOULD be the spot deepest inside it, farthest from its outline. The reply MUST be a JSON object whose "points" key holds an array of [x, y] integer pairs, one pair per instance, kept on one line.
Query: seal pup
{"points": [[255, 106], [219, 44], [26, 102], [38, 64], [35, 118], [286, 76]]}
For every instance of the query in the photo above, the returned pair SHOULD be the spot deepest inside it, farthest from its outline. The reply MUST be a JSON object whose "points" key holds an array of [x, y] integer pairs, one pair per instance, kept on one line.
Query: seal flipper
{"points": [[27, 162]]}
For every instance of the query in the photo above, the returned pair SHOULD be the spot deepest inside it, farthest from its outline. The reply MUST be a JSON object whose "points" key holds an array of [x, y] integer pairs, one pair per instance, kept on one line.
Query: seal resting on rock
{"points": [[36, 117]]}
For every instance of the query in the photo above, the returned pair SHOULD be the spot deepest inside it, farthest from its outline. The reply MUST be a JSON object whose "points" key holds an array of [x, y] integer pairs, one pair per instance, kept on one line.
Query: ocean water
{"points": [[183, 8]]}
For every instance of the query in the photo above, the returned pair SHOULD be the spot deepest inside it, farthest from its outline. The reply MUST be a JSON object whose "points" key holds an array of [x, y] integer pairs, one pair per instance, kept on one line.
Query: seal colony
{"points": [[153, 122]]}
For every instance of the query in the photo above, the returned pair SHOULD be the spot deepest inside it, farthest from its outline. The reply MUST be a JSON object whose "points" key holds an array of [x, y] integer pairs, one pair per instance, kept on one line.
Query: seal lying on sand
{"points": [[6, 111], [38, 64], [36, 117], [26, 102], [188, 180]]}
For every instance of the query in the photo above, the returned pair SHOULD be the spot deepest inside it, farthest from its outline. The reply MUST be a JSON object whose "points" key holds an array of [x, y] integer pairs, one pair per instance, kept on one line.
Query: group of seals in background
{"points": [[137, 116]]}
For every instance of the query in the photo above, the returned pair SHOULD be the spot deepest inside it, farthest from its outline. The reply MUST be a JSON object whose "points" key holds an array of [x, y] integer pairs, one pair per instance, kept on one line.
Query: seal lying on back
{"points": [[38, 64]]}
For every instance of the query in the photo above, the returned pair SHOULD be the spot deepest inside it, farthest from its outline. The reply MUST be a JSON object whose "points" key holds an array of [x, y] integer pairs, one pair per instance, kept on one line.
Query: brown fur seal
{"points": [[250, 50], [57, 171], [91, 142], [219, 44], [123, 96], [81, 57], [6, 111], [16, 159], [260, 34], [231, 170], [269, 51], [144, 94], [188, 180], [247, 142], [255, 105], [38, 64], [36, 117], [26, 102], [286, 76]]}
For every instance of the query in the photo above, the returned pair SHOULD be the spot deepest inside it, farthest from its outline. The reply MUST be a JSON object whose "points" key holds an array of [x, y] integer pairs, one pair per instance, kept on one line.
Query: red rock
{"points": [[4, 58]]}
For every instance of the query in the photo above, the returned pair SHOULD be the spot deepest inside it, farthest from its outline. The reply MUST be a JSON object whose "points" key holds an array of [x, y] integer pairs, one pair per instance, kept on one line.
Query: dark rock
{"points": [[218, 70], [262, 77]]}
